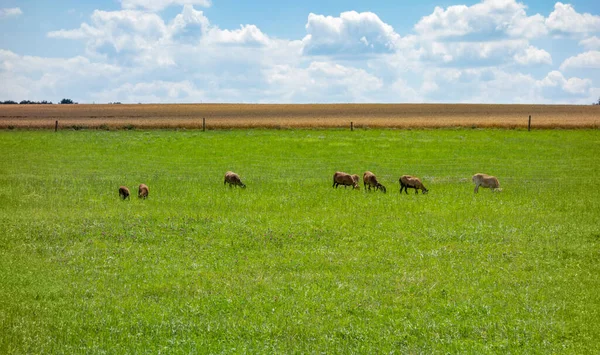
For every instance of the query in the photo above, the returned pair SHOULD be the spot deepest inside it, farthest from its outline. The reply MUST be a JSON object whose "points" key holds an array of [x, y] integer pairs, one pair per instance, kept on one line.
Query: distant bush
{"points": [[597, 103], [29, 102], [115, 103], [67, 102]]}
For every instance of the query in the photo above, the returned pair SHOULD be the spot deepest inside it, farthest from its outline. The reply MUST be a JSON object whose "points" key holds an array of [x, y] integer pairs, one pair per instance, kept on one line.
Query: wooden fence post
{"points": [[203, 124], [56, 126], [529, 124], [351, 126]]}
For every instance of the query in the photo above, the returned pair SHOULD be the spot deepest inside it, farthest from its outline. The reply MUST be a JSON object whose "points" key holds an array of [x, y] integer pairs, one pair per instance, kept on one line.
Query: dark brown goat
{"points": [[369, 180], [123, 192], [233, 179]]}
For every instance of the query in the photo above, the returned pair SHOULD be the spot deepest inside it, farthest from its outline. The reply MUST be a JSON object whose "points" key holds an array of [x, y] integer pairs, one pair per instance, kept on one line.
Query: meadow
{"points": [[289, 264]]}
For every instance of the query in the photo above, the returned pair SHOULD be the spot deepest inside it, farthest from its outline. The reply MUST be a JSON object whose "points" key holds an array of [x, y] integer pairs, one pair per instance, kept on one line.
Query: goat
{"points": [[233, 179], [340, 178], [124, 192], [369, 180], [407, 181], [143, 191], [486, 181]]}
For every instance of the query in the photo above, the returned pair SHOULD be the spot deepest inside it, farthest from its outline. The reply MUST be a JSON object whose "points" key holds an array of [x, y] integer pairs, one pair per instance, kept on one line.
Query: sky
{"points": [[312, 51]]}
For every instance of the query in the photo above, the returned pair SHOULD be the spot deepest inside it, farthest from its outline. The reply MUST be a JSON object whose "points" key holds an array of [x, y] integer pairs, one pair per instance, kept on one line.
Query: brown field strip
{"points": [[225, 116]]}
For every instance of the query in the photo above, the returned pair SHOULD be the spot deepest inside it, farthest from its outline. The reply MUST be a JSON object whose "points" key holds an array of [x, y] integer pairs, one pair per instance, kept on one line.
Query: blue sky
{"points": [[489, 51]]}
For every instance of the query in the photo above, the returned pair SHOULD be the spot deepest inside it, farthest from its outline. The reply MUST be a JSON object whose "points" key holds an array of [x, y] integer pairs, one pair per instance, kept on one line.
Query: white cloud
{"points": [[137, 55], [158, 5], [575, 86], [15, 63], [494, 85], [125, 30], [533, 55], [489, 18], [477, 85], [39, 78], [10, 12], [590, 60], [158, 91], [592, 43], [351, 33], [479, 53], [137, 37], [322, 82], [189, 24], [564, 19], [245, 35]]}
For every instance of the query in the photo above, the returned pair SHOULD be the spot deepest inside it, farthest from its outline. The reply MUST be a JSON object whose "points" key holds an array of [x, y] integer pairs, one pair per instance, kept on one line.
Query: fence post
{"points": [[351, 126], [529, 124], [56, 126], [203, 124]]}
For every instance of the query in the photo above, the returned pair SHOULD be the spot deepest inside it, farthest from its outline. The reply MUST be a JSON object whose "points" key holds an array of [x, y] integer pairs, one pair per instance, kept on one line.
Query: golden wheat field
{"points": [[225, 116]]}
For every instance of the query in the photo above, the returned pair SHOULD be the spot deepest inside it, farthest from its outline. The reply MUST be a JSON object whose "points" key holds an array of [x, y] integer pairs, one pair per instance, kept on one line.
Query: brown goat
{"points": [[369, 180], [143, 191], [486, 181], [407, 181], [123, 192], [233, 179], [340, 178]]}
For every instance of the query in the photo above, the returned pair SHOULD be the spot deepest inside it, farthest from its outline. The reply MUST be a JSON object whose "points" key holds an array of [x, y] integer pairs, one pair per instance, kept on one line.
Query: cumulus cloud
{"points": [[490, 18], [574, 86], [564, 19], [190, 24], [589, 60], [138, 37], [532, 55], [457, 54], [497, 18], [158, 5], [42, 78], [350, 33], [10, 61], [481, 53], [323, 81], [495, 85], [122, 30], [157, 91], [245, 35], [592, 43], [10, 12], [477, 85]]}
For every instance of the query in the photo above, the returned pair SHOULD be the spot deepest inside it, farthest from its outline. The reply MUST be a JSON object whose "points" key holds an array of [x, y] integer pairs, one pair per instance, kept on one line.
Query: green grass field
{"points": [[289, 264]]}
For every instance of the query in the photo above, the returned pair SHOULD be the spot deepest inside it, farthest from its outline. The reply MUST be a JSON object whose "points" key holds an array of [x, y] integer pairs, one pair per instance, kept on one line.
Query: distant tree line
{"points": [[30, 102], [597, 103]]}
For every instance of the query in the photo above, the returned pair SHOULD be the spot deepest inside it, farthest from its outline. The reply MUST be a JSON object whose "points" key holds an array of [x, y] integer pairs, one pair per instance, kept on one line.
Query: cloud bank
{"points": [[492, 51]]}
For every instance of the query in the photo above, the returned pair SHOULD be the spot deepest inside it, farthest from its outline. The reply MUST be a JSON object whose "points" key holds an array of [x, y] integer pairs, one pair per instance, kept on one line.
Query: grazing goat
{"points": [[123, 192], [486, 181], [407, 181], [143, 191], [233, 179], [340, 178], [369, 180]]}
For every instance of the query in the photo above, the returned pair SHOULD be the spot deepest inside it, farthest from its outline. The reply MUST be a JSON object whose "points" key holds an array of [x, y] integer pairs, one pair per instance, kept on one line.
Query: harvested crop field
{"points": [[225, 116]]}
